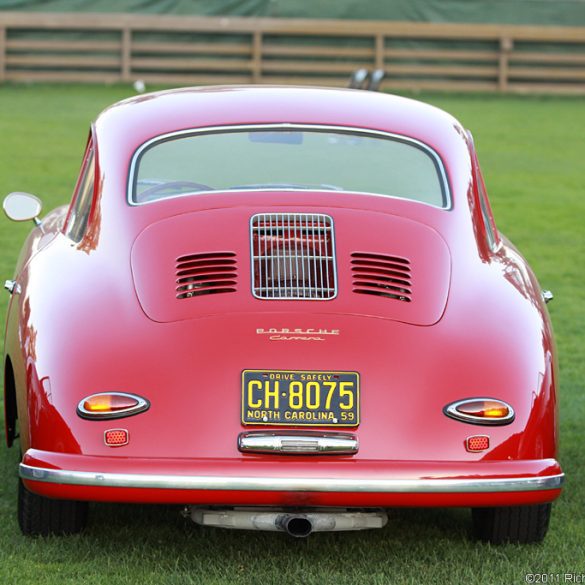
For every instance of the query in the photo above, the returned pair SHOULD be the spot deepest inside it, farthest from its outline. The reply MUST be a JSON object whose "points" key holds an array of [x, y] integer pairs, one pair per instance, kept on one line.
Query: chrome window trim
{"points": [[292, 484], [288, 127], [82, 202]]}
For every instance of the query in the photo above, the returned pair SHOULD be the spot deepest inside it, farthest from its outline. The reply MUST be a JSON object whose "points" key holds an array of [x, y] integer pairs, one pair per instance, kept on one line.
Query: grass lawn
{"points": [[532, 152]]}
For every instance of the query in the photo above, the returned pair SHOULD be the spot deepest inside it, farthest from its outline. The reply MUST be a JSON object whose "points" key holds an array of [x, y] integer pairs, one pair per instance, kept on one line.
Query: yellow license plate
{"points": [[300, 398]]}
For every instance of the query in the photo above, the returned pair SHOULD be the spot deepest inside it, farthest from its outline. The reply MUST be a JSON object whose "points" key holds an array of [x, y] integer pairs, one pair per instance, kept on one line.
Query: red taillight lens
{"points": [[116, 437], [109, 402], [484, 408], [477, 443], [111, 405], [482, 411]]}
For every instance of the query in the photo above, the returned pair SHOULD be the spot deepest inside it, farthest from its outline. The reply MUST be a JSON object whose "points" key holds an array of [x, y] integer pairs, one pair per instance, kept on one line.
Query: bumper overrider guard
{"points": [[314, 483]]}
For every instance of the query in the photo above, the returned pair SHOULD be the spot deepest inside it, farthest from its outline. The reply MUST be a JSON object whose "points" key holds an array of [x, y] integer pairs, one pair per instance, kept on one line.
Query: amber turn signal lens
{"points": [[484, 408], [482, 411], [111, 405], [109, 402]]}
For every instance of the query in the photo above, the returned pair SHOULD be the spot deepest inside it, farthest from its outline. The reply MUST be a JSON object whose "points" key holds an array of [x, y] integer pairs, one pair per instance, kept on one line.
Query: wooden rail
{"points": [[199, 50]]}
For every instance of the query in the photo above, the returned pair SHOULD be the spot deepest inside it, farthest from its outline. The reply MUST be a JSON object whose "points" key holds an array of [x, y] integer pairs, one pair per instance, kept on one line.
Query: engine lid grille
{"points": [[205, 274], [293, 256], [381, 275]]}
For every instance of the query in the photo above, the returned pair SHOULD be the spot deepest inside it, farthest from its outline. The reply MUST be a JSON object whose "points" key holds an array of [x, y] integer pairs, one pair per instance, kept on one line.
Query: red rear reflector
{"points": [[116, 437], [477, 443]]}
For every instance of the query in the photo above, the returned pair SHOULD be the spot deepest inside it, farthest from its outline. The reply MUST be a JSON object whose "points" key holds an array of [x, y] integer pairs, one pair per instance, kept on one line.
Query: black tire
{"points": [[40, 516], [514, 524]]}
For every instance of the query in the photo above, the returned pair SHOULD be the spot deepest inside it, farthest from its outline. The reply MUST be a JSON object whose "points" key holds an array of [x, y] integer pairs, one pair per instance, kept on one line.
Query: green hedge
{"points": [[538, 12]]}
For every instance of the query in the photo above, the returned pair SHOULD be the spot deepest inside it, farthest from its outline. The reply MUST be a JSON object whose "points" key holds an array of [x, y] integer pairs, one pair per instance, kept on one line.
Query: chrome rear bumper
{"points": [[289, 484]]}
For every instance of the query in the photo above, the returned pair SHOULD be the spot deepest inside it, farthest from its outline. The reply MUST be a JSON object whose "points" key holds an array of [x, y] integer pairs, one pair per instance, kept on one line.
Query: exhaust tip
{"points": [[297, 526]]}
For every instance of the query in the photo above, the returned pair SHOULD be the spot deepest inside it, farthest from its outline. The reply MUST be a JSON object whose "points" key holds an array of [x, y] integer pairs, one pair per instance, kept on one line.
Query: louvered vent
{"points": [[206, 274], [381, 275], [293, 256]]}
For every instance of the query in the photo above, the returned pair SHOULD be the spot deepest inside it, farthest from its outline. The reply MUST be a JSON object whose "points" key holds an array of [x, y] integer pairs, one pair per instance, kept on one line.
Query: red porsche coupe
{"points": [[285, 309]]}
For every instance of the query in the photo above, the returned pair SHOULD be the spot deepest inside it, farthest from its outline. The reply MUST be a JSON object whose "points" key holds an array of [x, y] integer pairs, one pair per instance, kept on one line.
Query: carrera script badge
{"points": [[284, 334]]}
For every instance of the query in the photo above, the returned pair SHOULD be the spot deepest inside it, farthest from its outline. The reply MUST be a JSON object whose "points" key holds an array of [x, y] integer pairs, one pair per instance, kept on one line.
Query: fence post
{"points": [[2, 54], [506, 46], [125, 64], [257, 56], [379, 51]]}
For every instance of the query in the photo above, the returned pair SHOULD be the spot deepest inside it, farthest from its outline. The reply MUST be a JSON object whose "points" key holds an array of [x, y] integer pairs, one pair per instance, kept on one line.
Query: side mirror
{"points": [[22, 207]]}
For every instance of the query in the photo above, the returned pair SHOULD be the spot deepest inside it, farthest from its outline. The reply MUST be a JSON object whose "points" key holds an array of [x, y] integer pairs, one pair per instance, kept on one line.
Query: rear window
{"points": [[282, 158]]}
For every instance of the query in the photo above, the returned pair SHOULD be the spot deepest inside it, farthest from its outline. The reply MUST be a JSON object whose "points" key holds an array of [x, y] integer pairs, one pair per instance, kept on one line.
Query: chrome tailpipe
{"points": [[295, 523]]}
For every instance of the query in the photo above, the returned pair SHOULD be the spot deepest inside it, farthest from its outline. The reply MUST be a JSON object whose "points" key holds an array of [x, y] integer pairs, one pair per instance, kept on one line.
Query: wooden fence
{"points": [[109, 48]]}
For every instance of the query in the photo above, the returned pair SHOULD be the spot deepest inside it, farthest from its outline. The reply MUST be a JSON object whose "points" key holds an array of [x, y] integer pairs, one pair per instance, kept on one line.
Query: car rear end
{"points": [[310, 336]]}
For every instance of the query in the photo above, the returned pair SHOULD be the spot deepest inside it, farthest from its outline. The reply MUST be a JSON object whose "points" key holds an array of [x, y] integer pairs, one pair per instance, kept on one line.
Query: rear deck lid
{"points": [[340, 261]]}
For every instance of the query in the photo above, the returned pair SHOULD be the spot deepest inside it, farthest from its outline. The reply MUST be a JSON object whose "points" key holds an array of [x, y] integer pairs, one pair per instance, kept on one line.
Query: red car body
{"points": [[98, 313]]}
